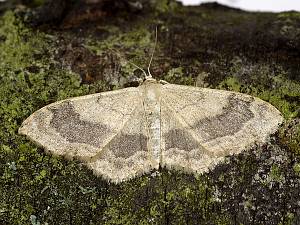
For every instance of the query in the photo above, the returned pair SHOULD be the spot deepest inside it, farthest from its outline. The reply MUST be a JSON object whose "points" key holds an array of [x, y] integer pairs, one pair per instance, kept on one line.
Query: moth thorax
{"points": [[152, 114]]}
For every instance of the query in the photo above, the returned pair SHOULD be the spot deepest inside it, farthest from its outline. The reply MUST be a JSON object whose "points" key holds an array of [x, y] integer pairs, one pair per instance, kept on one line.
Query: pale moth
{"points": [[128, 132]]}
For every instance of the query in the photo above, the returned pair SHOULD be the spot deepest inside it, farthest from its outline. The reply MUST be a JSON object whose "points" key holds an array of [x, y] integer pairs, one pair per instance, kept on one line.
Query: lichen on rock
{"points": [[253, 53]]}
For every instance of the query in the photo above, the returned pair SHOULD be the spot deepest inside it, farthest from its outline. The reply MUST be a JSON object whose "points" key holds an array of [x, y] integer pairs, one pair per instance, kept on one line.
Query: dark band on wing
{"points": [[180, 139], [126, 145], [68, 124], [233, 118]]}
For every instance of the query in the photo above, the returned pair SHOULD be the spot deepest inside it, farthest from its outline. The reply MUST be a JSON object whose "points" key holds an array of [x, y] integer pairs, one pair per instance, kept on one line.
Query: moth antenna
{"points": [[149, 72], [144, 72], [136, 66]]}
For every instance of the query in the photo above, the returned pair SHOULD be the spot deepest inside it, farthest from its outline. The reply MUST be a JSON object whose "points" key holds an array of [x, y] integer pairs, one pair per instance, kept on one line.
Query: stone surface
{"points": [[208, 46]]}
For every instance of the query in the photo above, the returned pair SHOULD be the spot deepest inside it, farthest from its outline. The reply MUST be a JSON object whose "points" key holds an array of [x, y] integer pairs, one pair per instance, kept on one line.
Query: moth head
{"points": [[147, 74], [150, 80]]}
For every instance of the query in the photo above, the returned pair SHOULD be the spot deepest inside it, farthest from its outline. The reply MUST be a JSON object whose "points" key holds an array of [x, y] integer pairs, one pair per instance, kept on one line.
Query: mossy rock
{"points": [[208, 46]]}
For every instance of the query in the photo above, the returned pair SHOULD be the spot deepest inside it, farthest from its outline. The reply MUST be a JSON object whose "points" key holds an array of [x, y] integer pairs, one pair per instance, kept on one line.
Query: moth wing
{"points": [[88, 128], [127, 155], [201, 126]]}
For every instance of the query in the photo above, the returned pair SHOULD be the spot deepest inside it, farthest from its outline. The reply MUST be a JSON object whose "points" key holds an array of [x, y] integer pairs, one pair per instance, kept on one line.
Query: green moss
{"points": [[275, 174], [283, 93], [39, 188], [291, 136], [289, 219], [297, 168], [29, 80], [289, 15], [124, 44], [164, 6], [125, 41], [177, 75]]}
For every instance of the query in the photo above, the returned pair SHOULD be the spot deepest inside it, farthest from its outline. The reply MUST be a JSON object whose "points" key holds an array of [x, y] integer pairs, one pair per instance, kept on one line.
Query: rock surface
{"points": [[86, 51]]}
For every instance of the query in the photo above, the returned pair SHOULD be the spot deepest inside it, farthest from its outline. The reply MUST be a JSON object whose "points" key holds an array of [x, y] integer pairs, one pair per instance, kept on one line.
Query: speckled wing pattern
{"points": [[201, 126], [106, 131], [124, 133]]}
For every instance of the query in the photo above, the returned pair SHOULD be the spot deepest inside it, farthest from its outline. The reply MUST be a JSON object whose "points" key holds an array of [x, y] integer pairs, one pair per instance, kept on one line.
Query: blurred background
{"points": [[254, 5]]}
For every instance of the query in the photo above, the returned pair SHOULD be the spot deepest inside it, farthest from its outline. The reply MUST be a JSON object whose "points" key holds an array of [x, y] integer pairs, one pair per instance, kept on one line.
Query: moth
{"points": [[128, 132], [124, 133]]}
